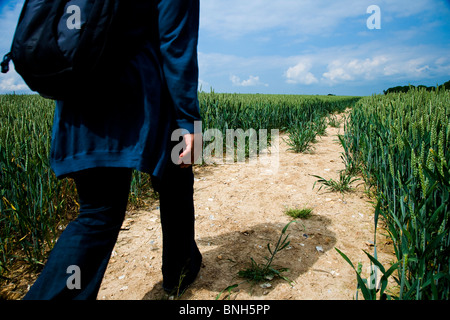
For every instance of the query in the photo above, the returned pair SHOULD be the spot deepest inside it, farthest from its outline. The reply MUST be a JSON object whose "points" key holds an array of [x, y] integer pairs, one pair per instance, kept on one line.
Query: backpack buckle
{"points": [[5, 62]]}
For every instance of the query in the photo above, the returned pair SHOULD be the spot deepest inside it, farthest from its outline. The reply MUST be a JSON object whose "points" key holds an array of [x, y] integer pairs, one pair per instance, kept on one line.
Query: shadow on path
{"points": [[226, 254]]}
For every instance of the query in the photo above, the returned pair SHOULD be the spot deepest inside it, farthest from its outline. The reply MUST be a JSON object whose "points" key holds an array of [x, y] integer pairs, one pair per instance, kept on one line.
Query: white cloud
{"points": [[353, 69], [250, 82], [12, 82], [300, 73], [8, 20], [368, 63], [410, 63], [9, 16], [362, 64], [237, 18]]}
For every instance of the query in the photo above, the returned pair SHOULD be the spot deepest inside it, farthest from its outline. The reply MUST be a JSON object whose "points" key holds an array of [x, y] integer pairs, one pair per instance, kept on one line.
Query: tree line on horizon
{"points": [[445, 86]]}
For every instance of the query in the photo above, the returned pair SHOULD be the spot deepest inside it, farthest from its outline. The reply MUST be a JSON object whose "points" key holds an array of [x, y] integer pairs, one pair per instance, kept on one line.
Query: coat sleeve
{"points": [[178, 23]]}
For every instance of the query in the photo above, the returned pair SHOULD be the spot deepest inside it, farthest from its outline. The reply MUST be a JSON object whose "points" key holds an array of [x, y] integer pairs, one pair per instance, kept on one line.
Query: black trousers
{"points": [[181, 259], [78, 261]]}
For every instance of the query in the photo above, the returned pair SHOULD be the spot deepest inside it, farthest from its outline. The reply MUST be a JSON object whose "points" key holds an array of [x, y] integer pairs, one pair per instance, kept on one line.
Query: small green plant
{"points": [[301, 137], [320, 125], [343, 185], [371, 288], [228, 289], [333, 121], [178, 290], [260, 272], [303, 213], [353, 167]]}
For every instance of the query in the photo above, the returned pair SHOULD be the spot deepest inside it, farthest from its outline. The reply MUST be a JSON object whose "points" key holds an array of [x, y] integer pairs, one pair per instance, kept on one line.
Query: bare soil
{"points": [[240, 208]]}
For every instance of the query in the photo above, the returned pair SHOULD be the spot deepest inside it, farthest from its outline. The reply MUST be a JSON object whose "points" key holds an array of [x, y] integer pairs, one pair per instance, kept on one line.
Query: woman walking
{"points": [[98, 141]]}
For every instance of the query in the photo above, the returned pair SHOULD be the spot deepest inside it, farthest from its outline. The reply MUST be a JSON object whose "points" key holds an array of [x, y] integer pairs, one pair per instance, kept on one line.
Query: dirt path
{"points": [[240, 208]]}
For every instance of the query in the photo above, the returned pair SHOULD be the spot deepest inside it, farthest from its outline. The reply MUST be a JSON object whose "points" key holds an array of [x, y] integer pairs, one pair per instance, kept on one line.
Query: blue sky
{"points": [[306, 46]]}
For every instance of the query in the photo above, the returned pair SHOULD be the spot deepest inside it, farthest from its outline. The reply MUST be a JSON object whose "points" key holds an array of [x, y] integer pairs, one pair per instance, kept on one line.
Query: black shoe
{"points": [[178, 290], [186, 280]]}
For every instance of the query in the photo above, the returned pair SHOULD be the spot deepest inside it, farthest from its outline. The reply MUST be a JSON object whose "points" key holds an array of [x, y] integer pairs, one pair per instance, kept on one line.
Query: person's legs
{"points": [[181, 256], [88, 241]]}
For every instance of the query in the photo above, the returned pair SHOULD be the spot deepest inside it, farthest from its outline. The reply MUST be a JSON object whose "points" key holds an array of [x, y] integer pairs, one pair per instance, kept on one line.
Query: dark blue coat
{"points": [[131, 124]]}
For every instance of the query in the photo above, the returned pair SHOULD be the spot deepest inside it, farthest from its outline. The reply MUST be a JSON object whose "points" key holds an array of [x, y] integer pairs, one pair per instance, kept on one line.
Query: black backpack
{"points": [[63, 49]]}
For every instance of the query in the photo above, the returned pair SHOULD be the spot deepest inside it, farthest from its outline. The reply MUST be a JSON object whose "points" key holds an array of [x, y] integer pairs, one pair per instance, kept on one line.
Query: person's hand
{"points": [[192, 151]]}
